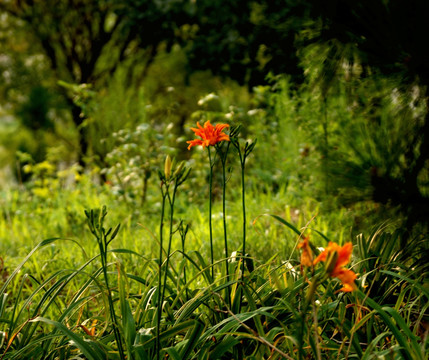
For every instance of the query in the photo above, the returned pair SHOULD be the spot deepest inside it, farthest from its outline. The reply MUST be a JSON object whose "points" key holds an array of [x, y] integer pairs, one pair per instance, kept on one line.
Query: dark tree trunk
{"points": [[405, 192], [83, 140]]}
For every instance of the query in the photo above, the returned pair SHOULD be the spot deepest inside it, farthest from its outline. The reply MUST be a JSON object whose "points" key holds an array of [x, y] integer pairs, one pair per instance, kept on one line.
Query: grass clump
{"points": [[207, 294]]}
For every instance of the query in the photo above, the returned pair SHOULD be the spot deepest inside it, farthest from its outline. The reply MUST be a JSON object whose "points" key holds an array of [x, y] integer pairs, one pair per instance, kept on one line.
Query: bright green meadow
{"points": [[299, 231]]}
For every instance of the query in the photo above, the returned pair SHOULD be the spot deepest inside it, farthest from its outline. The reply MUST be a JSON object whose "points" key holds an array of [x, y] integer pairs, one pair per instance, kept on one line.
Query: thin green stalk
{"points": [[210, 211], [109, 298], [225, 235], [243, 154], [183, 231], [301, 335], [243, 204], [316, 331], [309, 297], [95, 222], [171, 202], [159, 309]]}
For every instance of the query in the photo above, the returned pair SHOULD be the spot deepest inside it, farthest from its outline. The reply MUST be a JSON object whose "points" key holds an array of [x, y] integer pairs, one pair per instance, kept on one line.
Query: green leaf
{"points": [[193, 338], [174, 354], [411, 281], [369, 350], [79, 341], [227, 343], [284, 222], [19, 267], [384, 313]]}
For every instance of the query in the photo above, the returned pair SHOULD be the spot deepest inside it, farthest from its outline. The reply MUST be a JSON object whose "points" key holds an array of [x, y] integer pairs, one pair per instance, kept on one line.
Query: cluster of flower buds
{"points": [[180, 174]]}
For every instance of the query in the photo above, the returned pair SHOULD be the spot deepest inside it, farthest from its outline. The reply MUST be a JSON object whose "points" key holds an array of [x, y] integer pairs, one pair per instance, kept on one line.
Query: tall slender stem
{"points": [[171, 202], [225, 236], [210, 211], [109, 298], [159, 305], [243, 204], [183, 236]]}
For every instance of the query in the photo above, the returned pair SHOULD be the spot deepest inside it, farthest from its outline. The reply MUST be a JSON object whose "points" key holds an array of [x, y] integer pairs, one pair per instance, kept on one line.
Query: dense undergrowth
{"points": [[150, 289], [311, 244]]}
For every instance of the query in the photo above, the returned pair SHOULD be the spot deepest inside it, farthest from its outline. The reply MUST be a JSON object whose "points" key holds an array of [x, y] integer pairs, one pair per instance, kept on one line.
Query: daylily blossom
{"points": [[307, 253], [210, 135], [337, 257]]}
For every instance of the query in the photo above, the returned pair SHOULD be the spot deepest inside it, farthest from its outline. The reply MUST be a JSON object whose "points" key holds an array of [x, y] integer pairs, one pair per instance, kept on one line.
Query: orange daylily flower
{"points": [[341, 255], [347, 277], [91, 331], [210, 135], [307, 253]]}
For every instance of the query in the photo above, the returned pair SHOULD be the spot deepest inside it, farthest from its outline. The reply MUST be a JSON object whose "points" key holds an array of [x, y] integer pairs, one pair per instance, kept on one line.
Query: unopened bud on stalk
{"points": [[331, 261], [179, 169], [167, 167]]}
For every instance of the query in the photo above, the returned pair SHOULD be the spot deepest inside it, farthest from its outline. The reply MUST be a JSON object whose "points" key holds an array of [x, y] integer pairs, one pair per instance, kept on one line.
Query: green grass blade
{"points": [[79, 341], [19, 267], [405, 349], [225, 345], [170, 333], [174, 354], [369, 350], [401, 323], [284, 222], [407, 279], [192, 340]]}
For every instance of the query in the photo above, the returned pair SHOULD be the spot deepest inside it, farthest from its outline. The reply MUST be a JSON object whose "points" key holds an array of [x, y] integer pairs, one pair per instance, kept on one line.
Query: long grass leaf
{"points": [[405, 349], [369, 350], [284, 222], [19, 267], [222, 347], [192, 340], [80, 342], [404, 327], [174, 354], [407, 279]]}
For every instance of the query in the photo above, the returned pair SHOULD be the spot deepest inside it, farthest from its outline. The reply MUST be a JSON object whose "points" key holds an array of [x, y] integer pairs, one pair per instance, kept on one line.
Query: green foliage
{"points": [[136, 305], [336, 152], [198, 323]]}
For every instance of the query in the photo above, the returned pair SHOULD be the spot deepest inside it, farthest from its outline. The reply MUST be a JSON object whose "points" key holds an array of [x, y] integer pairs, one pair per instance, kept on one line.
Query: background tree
{"points": [[245, 40], [86, 40], [387, 37]]}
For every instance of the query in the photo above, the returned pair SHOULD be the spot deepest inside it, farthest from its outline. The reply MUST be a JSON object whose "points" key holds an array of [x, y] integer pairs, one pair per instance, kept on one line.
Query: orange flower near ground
{"points": [[347, 277], [210, 135], [307, 254], [342, 258]]}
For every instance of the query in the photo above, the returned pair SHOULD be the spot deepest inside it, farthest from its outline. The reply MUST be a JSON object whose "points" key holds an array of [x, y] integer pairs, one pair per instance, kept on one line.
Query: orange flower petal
{"points": [[194, 143], [210, 135], [306, 259], [344, 253], [307, 253], [347, 277]]}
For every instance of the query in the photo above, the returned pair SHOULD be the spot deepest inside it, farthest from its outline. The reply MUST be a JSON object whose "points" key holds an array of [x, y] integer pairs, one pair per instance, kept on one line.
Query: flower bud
{"points": [[167, 167], [331, 261], [179, 169]]}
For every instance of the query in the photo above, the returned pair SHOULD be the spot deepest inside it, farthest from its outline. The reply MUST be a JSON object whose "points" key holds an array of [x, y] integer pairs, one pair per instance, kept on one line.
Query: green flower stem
{"points": [[95, 222], [183, 232], [171, 202], [223, 157], [309, 298], [159, 305], [243, 205], [103, 252], [210, 211]]}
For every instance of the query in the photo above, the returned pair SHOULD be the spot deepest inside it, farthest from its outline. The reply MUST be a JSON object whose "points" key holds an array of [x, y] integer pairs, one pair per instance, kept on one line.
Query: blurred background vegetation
{"points": [[95, 93]]}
